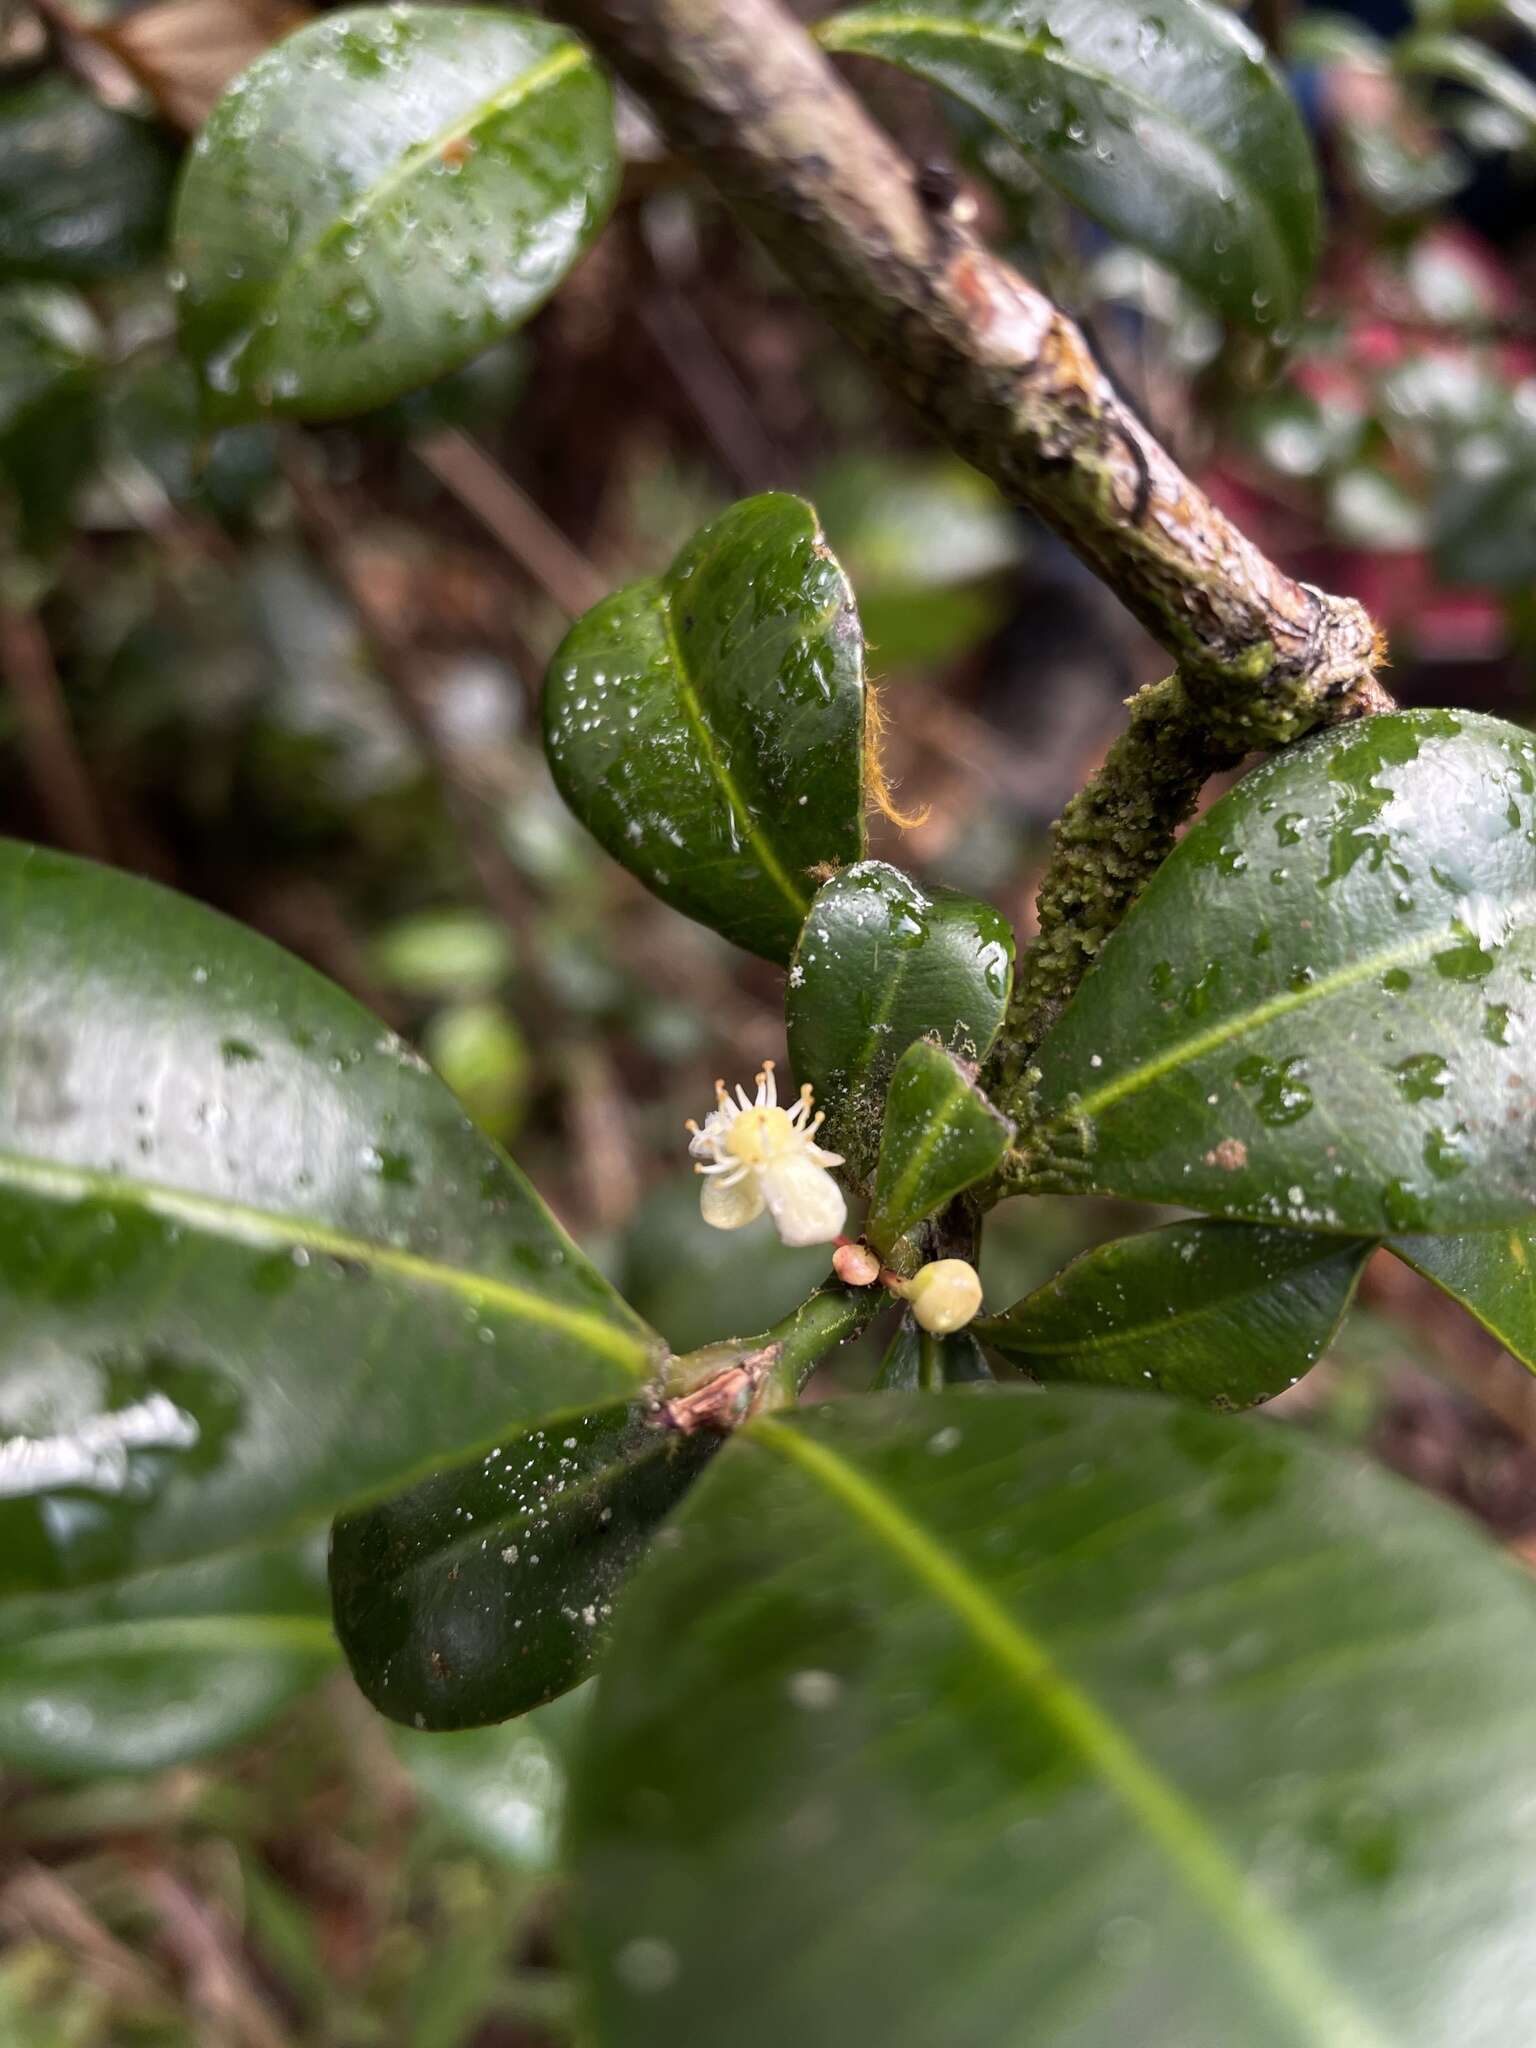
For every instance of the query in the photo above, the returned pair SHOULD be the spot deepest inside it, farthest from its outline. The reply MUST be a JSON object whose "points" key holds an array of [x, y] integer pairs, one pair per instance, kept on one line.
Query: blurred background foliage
{"points": [[292, 672]]}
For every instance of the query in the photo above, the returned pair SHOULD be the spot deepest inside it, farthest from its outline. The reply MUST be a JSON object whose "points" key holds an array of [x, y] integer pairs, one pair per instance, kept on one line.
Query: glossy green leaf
{"points": [[255, 1264], [163, 1668], [941, 1136], [1224, 1313], [382, 196], [883, 962], [1171, 127], [84, 190], [1072, 1718], [708, 725], [501, 1789], [49, 376], [489, 1588], [1320, 1012], [1492, 1274]]}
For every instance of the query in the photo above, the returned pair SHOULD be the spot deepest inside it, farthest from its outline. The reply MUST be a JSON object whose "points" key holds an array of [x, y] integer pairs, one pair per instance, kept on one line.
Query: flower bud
{"points": [[944, 1295], [856, 1265]]}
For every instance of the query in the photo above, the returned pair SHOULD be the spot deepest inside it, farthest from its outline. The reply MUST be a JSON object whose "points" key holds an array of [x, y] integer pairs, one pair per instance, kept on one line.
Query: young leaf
{"points": [[488, 1588], [84, 190], [941, 1136], [271, 1268], [1319, 1013], [708, 725], [382, 196], [1471, 64], [1072, 1717], [917, 1360], [1223, 1313], [883, 962], [162, 1669], [1491, 1274], [1170, 128]]}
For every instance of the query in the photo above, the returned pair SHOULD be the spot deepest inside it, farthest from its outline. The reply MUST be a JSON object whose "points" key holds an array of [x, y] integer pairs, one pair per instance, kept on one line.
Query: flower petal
{"points": [[805, 1202], [728, 1208]]}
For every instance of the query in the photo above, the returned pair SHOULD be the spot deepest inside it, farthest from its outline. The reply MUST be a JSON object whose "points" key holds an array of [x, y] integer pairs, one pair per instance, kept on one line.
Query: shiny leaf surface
{"points": [[707, 726], [941, 1136], [1224, 1313], [382, 196], [883, 962], [49, 375], [255, 1264], [1320, 1011], [1490, 1274], [1169, 127], [84, 190], [1075, 1718], [162, 1669], [489, 1588]]}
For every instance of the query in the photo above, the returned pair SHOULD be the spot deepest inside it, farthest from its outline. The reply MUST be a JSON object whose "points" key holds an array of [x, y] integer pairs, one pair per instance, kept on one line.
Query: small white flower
{"points": [[757, 1156]]}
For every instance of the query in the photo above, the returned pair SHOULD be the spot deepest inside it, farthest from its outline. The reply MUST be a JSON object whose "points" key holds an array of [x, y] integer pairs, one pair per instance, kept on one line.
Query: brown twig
{"points": [[217, 1983], [46, 736], [988, 361], [511, 517]]}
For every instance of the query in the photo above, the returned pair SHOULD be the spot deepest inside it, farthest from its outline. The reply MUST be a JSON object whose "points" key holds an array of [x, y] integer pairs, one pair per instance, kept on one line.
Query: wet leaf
{"points": [[1170, 127], [489, 1588], [1080, 1718], [1223, 1313], [708, 725], [883, 962], [1320, 1012], [501, 1789], [270, 1266], [941, 1136], [165, 1668], [84, 190], [1490, 1274], [382, 196]]}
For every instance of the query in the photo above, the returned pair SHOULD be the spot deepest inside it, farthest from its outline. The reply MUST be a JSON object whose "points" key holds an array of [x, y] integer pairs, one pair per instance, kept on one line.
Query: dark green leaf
{"points": [[882, 962], [1491, 1274], [941, 1136], [1218, 1312], [255, 1264], [84, 190], [708, 725], [1169, 127], [1014, 1720], [163, 1668], [502, 1789], [1319, 1014], [380, 197], [49, 372], [488, 1589]]}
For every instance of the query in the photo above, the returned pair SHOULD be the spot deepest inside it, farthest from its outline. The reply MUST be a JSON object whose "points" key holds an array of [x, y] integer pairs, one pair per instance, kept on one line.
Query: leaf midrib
{"points": [[847, 36], [693, 710], [566, 57], [1282, 1004], [1006, 1336], [240, 1223], [1298, 1984], [153, 1635]]}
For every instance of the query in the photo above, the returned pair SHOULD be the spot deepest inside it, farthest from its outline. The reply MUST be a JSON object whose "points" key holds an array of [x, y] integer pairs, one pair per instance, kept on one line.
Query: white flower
{"points": [[758, 1156]]}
